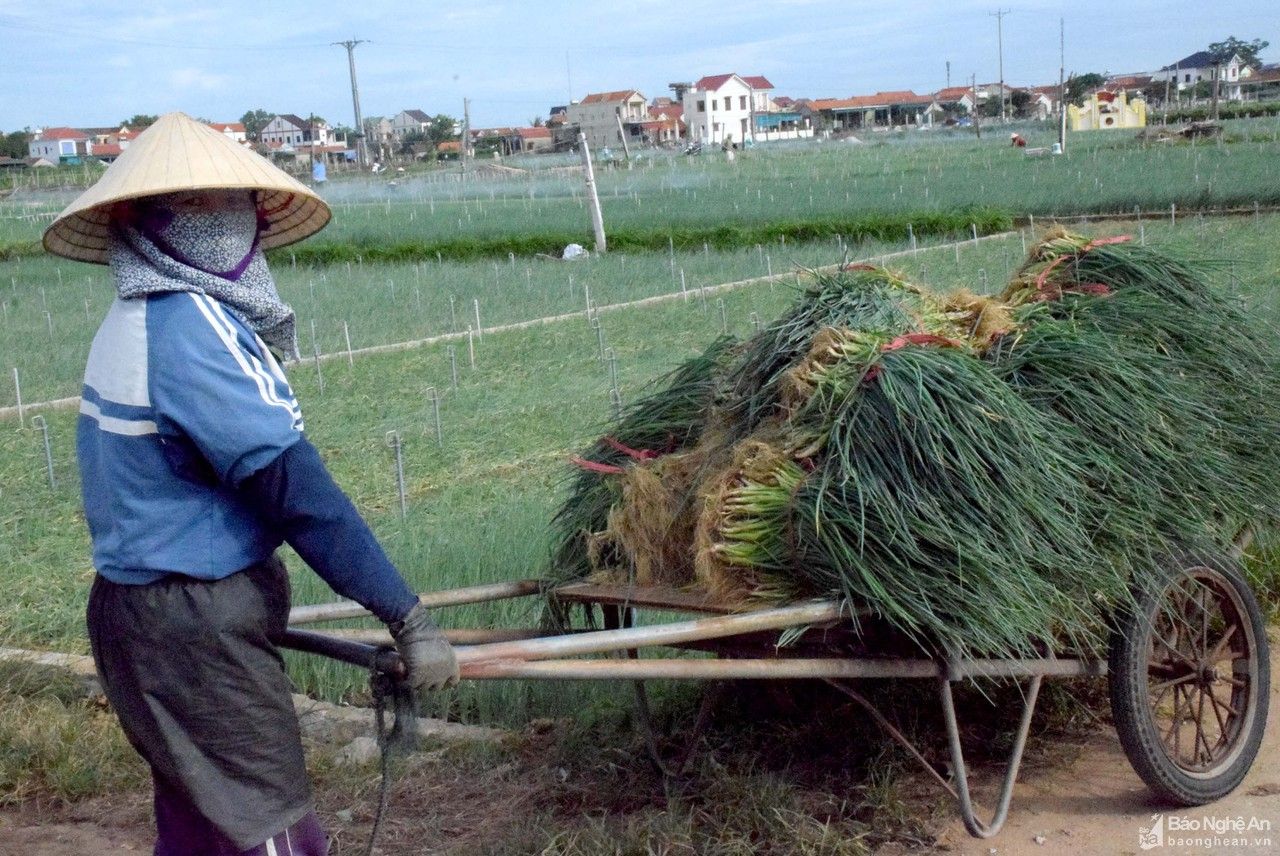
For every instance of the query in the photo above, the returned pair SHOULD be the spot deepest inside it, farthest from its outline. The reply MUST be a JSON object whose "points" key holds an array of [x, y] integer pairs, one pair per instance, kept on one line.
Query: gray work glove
{"points": [[427, 655]]}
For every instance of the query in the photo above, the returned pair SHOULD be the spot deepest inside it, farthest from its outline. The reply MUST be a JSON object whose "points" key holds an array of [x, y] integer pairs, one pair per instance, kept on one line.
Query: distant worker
{"points": [[194, 469], [1015, 139]]}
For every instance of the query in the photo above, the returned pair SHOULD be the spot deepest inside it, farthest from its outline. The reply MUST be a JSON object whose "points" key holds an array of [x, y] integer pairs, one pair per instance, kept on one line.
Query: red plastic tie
{"points": [[918, 339], [596, 466], [634, 454]]}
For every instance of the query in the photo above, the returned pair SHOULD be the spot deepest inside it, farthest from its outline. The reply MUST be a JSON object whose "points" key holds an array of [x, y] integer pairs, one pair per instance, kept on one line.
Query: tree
{"points": [[442, 128], [1221, 52], [1080, 85], [535, 122], [1022, 103], [14, 144], [138, 121], [254, 121], [413, 142]]}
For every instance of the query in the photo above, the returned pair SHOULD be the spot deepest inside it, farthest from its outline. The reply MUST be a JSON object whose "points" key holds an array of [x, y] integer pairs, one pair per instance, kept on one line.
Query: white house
{"points": [[234, 131], [1199, 67], [286, 129], [60, 144], [597, 117], [409, 122], [728, 109]]}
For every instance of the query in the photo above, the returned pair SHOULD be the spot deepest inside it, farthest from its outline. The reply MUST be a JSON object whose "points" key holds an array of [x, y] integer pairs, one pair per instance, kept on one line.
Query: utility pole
{"points": [[1062, 85], [464, 150], [362, 154], [977, 114], [999, 16], [948, 74]]}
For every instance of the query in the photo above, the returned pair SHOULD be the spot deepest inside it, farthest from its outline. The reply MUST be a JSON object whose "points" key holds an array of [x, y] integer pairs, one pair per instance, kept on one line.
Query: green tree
{"points": [[14, 144], [1080, 85], [254, 121], [1221, 52], [138, 121], [442, 128], [1022, 103]]}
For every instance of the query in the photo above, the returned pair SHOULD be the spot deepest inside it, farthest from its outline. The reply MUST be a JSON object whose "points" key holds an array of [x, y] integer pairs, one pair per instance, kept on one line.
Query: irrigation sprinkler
{"points": [[475, 304], [453, 313], [48, 320], [434, 398], [394, 443], [982, 278], [1142, 233], [586, 298], [911, 237], [684, 290], [453, 367], [391, 285], [768, 266], [17, 392], [86, 309], [1023, 235], [615, 399], [1173, 214], [956, 247], [973, 227], [471, 346], [346, 334], [417, 297], [755, 321], [724, 316], [38, 421]]}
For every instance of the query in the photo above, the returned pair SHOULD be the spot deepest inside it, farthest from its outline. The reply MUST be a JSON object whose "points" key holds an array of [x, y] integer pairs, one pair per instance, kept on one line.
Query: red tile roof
{"points": [[667, 111], [953, 93], [223, 127], [107, 150], [713, 82], [758, 82], [609, 97], [866, 102], [534, 133], [62, 134]]}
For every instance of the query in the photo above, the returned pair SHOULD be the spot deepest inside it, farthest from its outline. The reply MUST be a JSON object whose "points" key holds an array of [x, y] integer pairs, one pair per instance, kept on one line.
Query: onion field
{"points": [[479, 502]]}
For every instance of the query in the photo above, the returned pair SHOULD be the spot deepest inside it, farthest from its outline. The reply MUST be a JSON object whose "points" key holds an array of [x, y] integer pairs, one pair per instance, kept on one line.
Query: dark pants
{"points": [[190, 668]]}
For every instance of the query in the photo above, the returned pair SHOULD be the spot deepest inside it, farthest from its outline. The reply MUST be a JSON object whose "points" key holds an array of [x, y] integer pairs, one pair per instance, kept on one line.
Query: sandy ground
{"points": [[1097, 804]]}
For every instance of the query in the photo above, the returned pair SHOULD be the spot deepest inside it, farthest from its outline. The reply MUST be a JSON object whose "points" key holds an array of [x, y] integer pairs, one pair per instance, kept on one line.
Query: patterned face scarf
{"points": [[207, 243]]}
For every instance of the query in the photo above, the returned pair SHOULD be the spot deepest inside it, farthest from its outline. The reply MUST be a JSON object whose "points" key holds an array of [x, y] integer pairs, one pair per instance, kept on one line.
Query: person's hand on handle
{"points": [[428, 657]]}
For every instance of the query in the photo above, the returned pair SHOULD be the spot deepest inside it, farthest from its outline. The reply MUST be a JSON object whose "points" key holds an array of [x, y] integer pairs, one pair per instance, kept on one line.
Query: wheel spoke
{"points": [[1227, 706], [1163, 686], [1221, 646], [1200, 738], [1217, 714]]}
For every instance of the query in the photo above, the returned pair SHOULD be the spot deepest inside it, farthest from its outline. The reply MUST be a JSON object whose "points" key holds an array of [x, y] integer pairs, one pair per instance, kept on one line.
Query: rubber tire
{"points": [[1130, 703]]}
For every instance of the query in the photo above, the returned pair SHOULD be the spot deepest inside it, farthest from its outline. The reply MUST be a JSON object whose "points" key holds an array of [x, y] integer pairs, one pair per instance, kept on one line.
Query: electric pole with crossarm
{"points": [[362, 156], [999, 16]]}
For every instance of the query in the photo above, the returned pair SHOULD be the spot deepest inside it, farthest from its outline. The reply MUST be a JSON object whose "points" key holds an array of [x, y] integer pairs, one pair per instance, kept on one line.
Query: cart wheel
{"points": [[1190, 682]]}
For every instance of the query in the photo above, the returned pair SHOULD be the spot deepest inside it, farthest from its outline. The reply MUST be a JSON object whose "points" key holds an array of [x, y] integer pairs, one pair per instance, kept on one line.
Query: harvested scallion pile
{"points": [[982, 475]]}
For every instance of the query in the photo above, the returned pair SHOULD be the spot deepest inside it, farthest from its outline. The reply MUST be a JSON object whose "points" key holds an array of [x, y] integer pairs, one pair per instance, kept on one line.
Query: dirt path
{"points": [[1096, 805]]}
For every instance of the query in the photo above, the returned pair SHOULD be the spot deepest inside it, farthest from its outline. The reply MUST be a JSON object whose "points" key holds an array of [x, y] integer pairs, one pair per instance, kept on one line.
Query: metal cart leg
{"points": [[976, 827]]}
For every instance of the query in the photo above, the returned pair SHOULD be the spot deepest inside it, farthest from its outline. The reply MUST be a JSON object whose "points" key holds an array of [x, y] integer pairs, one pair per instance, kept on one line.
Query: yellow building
{"points": [[1108, 110]]}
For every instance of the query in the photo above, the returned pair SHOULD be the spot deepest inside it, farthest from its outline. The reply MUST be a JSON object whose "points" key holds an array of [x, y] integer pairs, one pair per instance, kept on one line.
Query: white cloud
{"points": [[196, 78]]}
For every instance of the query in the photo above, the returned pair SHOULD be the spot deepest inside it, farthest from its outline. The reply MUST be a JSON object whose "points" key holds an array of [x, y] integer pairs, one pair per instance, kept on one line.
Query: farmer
{"points": [[195, 469]]}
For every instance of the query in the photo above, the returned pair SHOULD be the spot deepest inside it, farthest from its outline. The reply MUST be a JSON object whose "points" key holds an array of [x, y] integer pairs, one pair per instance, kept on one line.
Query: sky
{"points": [[90, 64]]}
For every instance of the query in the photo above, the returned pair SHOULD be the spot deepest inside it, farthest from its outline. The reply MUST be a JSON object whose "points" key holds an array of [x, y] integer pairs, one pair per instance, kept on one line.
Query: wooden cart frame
{"points": [[1176, 642]]}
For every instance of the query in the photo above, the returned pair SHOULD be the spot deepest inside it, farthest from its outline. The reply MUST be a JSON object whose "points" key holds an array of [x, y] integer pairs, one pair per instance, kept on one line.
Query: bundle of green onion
{"points": [[984, 475]]}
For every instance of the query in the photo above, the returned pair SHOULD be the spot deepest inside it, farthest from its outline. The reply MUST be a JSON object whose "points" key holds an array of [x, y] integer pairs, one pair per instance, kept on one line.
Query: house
{"points": [[60, 145], [233, 131], [379, 138], [1262, 85], [897, 108], [532, 140], [1105, 110], [951, 102], [1199, 68], [409, 122], [730, 108], [557, 115], [597, 116], [286, 129], [666, 121]]}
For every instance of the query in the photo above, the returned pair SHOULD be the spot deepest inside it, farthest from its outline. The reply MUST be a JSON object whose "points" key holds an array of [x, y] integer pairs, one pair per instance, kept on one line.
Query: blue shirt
{"points": [[181, 403]]}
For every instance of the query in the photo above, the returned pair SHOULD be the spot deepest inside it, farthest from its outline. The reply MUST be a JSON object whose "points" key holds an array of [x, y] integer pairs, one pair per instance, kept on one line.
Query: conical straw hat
{"points": [[178, 153]]}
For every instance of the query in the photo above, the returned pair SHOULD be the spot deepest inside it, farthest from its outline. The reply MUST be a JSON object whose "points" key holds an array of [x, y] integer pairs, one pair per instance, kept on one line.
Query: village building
{"points": [[1199, 67], [60, 145], [410, 122], [288, 130], [1104, 110], [898, 108], [729, 109], [532, 140], [951, 103], [597, 117], [234, 131], [666, 122]]}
